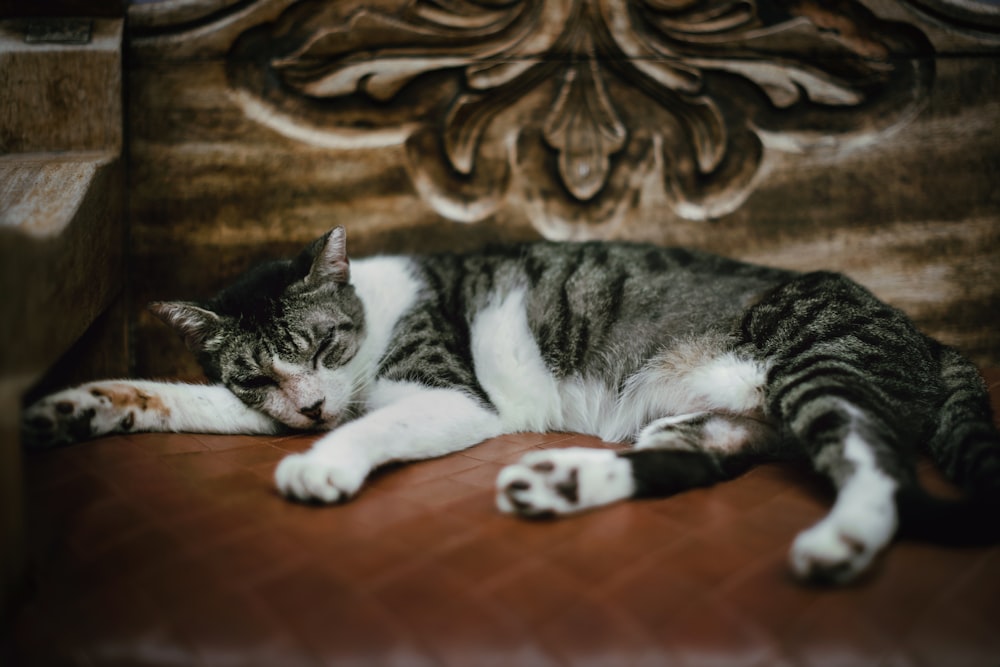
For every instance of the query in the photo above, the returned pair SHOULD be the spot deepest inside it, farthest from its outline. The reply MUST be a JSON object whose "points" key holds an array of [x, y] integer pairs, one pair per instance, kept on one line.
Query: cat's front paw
{"points": [[322, 478], [563, 481], [79, 414]]}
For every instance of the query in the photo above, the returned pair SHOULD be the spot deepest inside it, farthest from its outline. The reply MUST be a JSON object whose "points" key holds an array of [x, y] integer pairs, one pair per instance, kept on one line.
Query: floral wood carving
{"points": [[570, 108]]}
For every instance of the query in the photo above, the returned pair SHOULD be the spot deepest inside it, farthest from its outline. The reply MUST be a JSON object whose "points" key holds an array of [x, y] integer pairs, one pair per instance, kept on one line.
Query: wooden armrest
{"points": [[61, 229]]}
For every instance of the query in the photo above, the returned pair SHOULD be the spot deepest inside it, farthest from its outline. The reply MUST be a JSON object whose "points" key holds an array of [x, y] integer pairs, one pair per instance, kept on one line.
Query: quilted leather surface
{"points": [[174, 549]]}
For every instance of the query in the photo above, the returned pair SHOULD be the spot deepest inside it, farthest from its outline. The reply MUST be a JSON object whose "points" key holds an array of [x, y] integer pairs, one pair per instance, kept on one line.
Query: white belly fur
{"points": [[528, 397]]}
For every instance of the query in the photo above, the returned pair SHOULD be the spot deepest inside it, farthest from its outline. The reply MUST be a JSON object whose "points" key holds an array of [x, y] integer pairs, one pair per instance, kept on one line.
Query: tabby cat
{"points": [[707, 364]]}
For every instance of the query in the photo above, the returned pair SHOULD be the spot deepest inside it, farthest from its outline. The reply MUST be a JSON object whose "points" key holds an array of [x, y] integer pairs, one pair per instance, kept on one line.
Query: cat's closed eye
{"points": [[324, 346]]}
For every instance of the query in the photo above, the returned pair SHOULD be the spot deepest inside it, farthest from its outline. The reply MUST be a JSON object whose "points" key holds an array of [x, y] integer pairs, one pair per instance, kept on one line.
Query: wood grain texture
{"points": [[74, 106], [61, 229], [855, 136], [63, 266]]}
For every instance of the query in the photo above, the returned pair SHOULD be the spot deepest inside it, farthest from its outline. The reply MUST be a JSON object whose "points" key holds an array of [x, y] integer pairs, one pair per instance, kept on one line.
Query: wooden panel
{"points": [[57, 96], [61, 231], [65, 266], [845, 135]]}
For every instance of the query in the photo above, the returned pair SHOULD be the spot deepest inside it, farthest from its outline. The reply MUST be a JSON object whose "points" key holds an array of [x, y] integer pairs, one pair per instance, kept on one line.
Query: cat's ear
{"points": [[199, 327], [330, 260]]}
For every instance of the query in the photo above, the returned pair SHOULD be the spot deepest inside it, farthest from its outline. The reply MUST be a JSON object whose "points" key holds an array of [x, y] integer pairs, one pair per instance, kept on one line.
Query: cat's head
{"points": [[282, 335]]}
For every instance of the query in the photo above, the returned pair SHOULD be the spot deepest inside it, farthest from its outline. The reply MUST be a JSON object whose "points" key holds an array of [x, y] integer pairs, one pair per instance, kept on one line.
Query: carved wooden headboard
{"points": [[860, 136]]}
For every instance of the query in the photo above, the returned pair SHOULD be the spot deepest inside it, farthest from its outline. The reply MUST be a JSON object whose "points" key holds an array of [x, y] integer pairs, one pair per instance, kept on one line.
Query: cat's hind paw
{"points": [[563, 481], [82, 413], [841, 547], [310, 477]]}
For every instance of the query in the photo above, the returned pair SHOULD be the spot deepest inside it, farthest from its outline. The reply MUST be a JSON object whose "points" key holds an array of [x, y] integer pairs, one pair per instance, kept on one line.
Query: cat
{"points": [[707, 365]]}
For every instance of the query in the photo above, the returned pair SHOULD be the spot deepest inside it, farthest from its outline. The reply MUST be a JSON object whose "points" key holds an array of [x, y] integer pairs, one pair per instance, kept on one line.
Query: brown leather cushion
{"points": [[175, 549]]}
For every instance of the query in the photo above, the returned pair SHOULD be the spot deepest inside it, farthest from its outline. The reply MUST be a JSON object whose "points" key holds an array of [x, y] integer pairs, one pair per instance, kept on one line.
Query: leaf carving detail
{"points": [[585, 130], [707, 85]]}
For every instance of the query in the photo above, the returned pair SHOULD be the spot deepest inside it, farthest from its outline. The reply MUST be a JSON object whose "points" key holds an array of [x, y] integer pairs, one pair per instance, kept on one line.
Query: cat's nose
{"points": [[314, 411]]}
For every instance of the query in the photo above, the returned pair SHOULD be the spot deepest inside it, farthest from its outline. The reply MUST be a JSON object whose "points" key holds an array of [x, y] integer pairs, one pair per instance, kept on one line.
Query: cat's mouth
{"points": [[317, 423], [316, 416], [324, 423]]}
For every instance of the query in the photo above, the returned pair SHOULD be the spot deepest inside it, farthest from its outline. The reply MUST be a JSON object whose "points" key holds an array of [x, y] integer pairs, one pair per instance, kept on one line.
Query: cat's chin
{"points": [[321, 424], [326, 424]]}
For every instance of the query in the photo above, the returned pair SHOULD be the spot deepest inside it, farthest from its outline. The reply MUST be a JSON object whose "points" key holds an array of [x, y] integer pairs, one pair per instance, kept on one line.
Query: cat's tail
{"points": [[965, 446]]}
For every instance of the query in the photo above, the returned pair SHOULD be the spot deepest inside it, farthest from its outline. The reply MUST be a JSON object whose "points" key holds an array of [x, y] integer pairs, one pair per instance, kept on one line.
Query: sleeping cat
{"points": [[707, 365]]}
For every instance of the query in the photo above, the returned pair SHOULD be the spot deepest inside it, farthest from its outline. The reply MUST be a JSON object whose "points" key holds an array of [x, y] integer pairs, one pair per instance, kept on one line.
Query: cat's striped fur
{"points": [[706, 364]]}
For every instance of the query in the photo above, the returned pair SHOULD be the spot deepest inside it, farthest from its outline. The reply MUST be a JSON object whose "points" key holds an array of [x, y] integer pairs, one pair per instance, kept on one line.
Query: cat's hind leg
{"points": [[671, 455], [853, 385], [864, 516], [125, 406]]}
